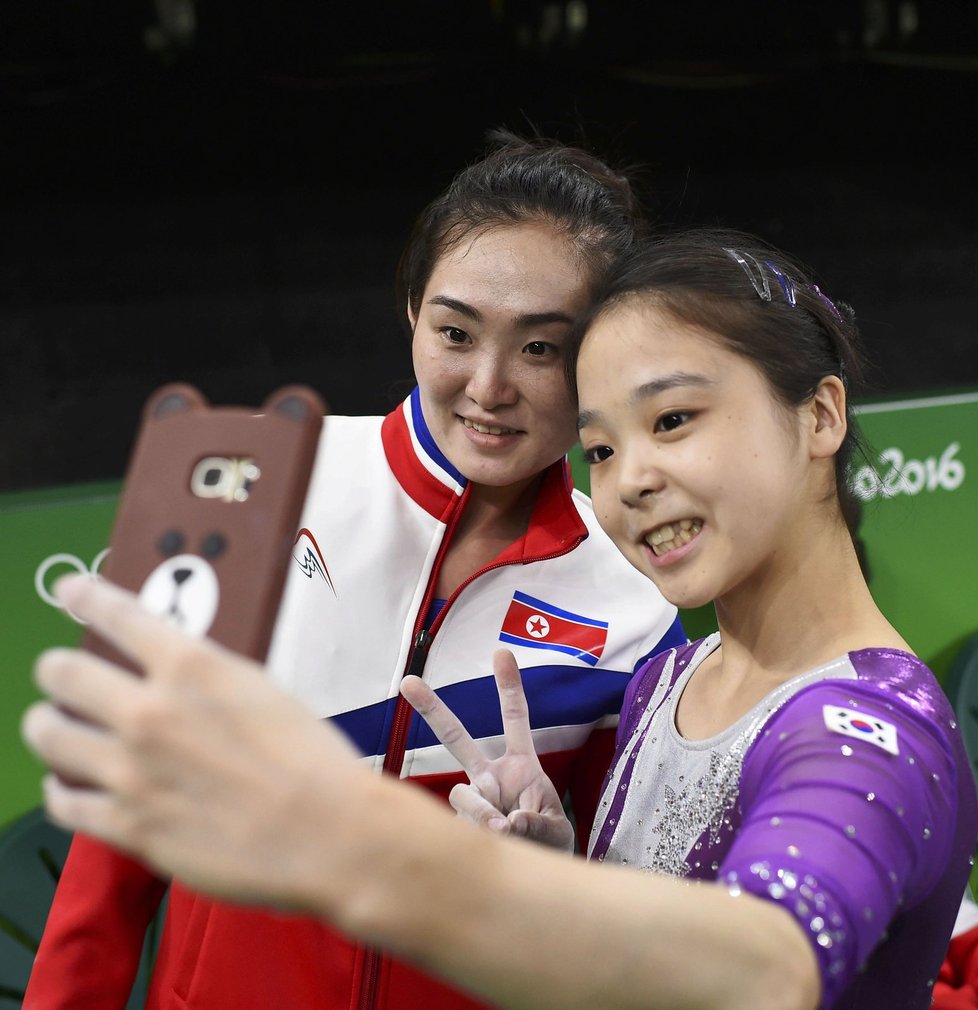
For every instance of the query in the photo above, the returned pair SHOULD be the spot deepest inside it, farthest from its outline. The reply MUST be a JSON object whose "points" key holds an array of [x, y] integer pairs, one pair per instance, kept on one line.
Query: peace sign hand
{"points": [[510, 794]]}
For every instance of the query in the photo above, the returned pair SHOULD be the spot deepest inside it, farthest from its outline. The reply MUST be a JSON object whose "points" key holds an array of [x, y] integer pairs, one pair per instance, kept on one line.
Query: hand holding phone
{"points": [[209, 511]]}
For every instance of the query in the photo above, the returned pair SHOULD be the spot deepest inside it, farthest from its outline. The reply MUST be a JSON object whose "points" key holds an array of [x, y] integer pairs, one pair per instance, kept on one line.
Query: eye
{"points": [[540, 348], [673, 420], [597, 454], [170, 543], [213, 545], [454, 335]]}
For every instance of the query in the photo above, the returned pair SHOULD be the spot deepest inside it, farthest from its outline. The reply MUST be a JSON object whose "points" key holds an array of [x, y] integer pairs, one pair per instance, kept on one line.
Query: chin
{"points": [[691, 602], [683, 596]]}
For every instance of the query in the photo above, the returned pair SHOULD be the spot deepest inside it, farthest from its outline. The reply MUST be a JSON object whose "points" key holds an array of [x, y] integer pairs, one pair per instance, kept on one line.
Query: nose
{"points": [[491, 382], [639, 478]]}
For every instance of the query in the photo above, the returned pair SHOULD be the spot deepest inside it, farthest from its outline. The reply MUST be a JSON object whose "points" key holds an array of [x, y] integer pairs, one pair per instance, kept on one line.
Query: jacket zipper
{"points": [[397, 740]]}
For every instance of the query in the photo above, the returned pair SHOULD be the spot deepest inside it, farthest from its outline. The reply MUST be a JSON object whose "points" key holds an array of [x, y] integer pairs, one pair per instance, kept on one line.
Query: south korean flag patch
{"points": [[861, 726]]}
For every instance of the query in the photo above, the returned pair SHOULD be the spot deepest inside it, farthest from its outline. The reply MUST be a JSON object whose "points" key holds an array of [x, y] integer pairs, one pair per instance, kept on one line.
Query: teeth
{"points": [[486, 429], [669, 536]]}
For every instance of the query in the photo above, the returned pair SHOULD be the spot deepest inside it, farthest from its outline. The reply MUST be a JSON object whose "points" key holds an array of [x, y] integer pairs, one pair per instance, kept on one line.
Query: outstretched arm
{"points": [[208, 771], [510, 794]]}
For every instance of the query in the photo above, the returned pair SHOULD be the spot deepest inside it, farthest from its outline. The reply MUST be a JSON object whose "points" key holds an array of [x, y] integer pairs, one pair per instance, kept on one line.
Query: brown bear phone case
{"points": [[209, 512]]}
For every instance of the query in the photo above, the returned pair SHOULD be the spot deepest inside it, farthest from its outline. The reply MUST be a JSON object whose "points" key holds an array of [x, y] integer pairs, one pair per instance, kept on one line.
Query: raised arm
{"points": [[209, 772]]}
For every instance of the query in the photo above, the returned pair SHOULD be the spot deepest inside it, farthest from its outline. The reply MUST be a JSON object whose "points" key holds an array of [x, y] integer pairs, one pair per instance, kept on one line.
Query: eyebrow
{"points": [[526, 320], [648, 390], [462, 308]]}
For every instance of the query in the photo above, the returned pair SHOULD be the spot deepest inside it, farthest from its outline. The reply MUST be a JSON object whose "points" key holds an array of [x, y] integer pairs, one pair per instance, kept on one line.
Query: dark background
{"points": [[218, 192]]}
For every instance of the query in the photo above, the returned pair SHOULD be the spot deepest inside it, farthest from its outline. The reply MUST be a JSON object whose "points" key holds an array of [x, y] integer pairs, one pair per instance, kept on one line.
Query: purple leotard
{"points": [[845, 796]]}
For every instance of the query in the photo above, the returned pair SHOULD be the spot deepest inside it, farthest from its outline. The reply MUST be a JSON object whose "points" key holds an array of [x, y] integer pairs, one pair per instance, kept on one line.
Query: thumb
{"points": [[552, 829]]}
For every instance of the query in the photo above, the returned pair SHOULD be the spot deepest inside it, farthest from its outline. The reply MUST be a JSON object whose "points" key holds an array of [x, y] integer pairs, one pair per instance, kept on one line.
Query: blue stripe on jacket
{"points": [[557, 695]]}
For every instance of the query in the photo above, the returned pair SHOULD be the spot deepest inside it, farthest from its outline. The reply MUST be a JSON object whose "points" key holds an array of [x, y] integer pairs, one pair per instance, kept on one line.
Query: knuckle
{"points": [[125, 783], [458, 796], [146, 720], [185, 656], [450, 735], [467, 803]]}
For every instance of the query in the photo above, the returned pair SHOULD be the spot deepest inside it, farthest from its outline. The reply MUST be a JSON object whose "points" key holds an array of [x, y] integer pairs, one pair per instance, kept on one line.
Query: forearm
{"points": [[211, 774], [520, 925]]}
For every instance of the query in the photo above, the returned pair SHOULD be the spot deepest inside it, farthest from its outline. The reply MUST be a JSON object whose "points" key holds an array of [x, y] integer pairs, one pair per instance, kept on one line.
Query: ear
{"points": [[828, 425], [412, 318]]}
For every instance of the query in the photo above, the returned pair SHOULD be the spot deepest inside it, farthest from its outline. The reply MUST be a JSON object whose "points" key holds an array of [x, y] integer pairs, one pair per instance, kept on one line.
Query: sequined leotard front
{"points": [[845, 796]]}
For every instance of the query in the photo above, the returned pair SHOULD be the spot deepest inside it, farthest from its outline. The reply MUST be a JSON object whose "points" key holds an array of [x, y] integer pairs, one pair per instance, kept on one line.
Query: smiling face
{"points": [[488, 351], [700, 476]]}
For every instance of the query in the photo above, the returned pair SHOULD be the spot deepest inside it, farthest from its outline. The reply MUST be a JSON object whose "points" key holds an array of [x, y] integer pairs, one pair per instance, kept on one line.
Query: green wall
{"points": [[35, 527]]}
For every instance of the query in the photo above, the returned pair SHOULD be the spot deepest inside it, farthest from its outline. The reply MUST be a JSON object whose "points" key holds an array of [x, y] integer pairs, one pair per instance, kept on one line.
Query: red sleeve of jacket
{"points": [[587, 779], [90, 950], [957, 985]]}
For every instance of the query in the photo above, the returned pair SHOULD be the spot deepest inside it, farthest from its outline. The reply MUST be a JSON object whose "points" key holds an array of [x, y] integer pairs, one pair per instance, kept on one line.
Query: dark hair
{"points": [[519, 181], [763, 304]]}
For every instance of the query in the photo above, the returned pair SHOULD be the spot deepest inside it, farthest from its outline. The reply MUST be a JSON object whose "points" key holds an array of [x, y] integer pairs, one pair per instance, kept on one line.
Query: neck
{"points": [[493, 518], [806, 608], [504, 509]]}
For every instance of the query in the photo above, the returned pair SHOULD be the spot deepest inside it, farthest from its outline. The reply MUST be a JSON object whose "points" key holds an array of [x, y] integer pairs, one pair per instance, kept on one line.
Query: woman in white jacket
{"points": [[428, 538]]}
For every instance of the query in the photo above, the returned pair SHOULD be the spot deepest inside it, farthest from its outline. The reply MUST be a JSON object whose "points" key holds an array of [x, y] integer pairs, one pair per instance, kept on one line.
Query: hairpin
{"points": [[829, 304], [759, 282], [762, 287], [787, 284]]}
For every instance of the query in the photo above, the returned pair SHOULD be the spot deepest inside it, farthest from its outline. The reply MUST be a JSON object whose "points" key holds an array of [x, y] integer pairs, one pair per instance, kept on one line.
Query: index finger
{"points": [[512, 703], [445, 724], [117, 616]]}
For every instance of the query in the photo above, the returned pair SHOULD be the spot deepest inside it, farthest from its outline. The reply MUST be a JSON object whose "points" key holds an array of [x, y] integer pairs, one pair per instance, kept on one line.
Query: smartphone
{"points": [[209, 511]]}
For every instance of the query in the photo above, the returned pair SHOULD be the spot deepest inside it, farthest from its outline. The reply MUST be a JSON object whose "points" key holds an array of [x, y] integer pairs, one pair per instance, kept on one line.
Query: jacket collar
{"points": [[430, 479]]}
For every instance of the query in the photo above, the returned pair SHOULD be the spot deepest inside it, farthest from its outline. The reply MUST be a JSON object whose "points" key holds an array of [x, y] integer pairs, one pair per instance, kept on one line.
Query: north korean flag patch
{"points": [[862, 726], [534, 624]]}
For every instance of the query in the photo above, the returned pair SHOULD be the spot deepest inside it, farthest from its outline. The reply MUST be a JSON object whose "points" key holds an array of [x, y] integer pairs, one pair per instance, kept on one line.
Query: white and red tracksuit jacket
{"points": [[381, 509], [956, 988]]}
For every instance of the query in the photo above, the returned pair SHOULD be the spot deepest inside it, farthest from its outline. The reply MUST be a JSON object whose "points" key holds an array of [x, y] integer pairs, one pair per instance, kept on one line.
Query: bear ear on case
{"points": [[298, 403], [174, 398]]}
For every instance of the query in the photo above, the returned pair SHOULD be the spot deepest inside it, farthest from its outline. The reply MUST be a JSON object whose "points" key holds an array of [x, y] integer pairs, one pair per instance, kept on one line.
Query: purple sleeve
{"points": [[836, 828]]}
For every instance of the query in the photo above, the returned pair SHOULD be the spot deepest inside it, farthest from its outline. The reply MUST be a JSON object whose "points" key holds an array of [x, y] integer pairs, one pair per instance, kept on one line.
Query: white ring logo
{"points": [[44, 568], [538, 626]]}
